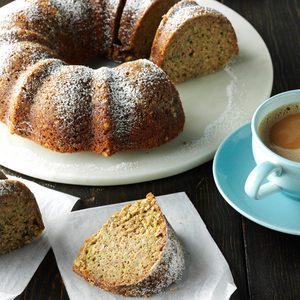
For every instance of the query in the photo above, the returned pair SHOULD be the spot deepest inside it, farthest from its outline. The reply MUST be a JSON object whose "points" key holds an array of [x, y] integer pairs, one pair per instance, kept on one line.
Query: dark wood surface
{"points": [[265, 264]]}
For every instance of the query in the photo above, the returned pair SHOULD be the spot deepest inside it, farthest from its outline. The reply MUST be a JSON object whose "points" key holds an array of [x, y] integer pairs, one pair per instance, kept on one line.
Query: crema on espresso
{"points": [[280, 131]]}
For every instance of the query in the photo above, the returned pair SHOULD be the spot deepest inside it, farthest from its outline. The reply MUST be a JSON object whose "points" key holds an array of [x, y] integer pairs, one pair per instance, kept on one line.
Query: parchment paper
{"points": [[18, 266], [207, 275]]}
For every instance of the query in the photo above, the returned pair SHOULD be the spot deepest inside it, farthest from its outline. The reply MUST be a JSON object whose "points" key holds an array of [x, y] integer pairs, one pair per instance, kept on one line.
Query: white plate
{"points": [[214, 106]]}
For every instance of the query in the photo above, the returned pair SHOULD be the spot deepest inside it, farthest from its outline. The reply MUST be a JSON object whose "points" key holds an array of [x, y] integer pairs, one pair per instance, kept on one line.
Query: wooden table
{"points": [[265, 264]]}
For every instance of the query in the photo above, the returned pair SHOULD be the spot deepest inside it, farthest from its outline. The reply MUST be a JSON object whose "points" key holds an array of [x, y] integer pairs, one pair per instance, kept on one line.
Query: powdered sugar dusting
{"points": [[138, 5], [136, 8], [71, 26], [184, 11], [67, 93], [6, 51], [6, 187], [131, 85], [109, 21], [30, 10], [72, 11], [11, 10], [72, 102], [29, 50], [170, 267], [232, 116], [26, 87], [46, 67], [66, 11], [132, 13]]}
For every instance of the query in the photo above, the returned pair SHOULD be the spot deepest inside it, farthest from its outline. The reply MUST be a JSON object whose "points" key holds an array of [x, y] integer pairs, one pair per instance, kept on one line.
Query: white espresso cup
{"points": [[273, 172]]}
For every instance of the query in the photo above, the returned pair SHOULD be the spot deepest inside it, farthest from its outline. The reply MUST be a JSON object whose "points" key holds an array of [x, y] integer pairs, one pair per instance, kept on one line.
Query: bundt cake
{"points": [[193, 40], [136, 253], [20, 217], [138, 24], [69, 108]]}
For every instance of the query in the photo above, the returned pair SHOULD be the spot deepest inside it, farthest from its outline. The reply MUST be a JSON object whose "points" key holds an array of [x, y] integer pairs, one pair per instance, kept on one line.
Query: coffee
{"points": [[280, 131]]}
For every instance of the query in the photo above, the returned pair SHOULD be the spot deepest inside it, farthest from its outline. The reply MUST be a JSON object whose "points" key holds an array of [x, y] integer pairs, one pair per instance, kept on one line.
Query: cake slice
{"points": [[20, 218], [138, 24], [136, 253], [112, 12], [193, 40]]}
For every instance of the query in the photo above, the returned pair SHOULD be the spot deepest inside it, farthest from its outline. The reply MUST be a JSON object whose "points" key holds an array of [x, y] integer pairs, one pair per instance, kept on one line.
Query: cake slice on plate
{"points": [[193, 40], [138, 24]]}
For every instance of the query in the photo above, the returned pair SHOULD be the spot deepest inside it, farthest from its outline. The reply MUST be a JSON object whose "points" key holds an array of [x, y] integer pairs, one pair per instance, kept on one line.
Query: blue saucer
{"points": [[232, 164]]}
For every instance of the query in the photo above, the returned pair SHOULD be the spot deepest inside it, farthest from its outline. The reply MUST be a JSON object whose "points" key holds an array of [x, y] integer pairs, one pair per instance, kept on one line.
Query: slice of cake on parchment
{"points": [[135, 253], [20, 218]]}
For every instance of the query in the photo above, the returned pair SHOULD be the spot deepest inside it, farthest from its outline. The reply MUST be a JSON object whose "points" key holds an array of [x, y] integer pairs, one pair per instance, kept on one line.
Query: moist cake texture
{"points": [[135, 253], [193, 40]]}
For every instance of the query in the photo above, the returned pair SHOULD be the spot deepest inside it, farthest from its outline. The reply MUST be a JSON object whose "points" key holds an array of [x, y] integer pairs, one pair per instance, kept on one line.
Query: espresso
{"points": [[280, 131]]}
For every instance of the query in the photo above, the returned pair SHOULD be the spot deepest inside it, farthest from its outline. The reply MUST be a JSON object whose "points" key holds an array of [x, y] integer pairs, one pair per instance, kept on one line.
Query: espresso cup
{"points": [[275, 170]]}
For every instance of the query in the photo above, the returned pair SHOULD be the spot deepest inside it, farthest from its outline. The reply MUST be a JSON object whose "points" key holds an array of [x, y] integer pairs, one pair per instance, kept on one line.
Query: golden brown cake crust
{"points": [[71, 108], [157, 115]]}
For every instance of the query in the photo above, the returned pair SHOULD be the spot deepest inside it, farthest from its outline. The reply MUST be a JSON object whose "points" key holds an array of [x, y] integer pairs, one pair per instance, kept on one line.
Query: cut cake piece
{"points": [[193, 40], [112, 12], [136, 253], [138, 24], [20, 218]]}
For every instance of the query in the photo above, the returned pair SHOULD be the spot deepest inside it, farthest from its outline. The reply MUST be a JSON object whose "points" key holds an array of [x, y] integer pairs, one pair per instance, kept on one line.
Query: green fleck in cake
{"points": [[136, 253], [20, 217], [193, 40]]}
